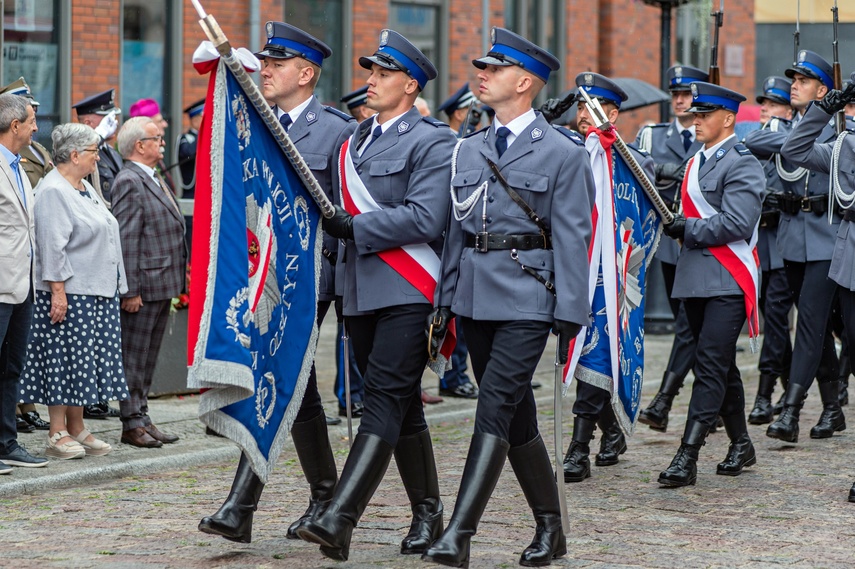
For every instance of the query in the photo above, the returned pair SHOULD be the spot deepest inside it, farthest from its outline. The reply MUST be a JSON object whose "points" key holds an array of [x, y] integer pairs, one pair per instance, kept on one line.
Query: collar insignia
{"points": [[536, 133], [721, 152], [311, 116], [403, 126]]}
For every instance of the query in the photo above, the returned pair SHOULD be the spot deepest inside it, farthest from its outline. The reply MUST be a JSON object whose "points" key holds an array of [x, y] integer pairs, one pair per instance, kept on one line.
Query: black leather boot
{"points": [[786, 427], [577, 465], [483, 466], [852, 493], [762, 412], [683, 470], [533, 469], [831, 420], [414, 456], [741, 453], [612, 441], [843, 377], [233, 520], [656, 414], [779, 406], [312, 443], [366, 464]]}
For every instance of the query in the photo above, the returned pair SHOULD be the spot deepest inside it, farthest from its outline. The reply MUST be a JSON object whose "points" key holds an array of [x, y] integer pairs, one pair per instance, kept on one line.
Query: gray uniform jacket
{"points": [[767, 238], [407, 172], [803, 236], [732, 182], [77, 240], [803, 148], [318, 135], [552, 174], [666, 147]]}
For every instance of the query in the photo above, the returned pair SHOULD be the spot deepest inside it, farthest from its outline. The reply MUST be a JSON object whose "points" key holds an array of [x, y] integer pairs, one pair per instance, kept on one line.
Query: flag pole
{"points": [[221, 43]]}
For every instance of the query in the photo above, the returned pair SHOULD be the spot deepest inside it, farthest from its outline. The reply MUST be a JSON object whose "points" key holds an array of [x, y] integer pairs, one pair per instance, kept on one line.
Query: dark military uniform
{"points": [[111, 161]]}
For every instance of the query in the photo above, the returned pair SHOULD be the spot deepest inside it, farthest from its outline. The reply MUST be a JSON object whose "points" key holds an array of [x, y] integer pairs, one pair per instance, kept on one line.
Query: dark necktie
{"points": [[285, 121], [687, 139], [375, 134], [502, 140], [703, 159]]}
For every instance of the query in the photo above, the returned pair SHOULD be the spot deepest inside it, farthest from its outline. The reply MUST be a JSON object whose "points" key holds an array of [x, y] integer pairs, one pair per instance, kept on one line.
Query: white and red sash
{"points": [[738, 258], [418, 264]]}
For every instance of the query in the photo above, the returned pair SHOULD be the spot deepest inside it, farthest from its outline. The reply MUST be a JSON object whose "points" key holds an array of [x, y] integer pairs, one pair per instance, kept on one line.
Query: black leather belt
{"points": [[793, 204], [484, 242], [849, 215]]}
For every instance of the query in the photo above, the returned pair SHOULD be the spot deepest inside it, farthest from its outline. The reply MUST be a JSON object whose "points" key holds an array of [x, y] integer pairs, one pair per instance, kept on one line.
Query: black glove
{"points": [[437, 325], [566, 331], [554, 108], [677, 228], [670, 171], [833, 102], [849, 92], [340, 225]]}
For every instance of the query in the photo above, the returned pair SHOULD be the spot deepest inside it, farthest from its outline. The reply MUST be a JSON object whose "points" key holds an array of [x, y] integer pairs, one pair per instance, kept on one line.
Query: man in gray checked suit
{"points": [[806, 242], [722, 193], [395, 179], [155, 256], [805, 148], [291, 69], [511, 280]]}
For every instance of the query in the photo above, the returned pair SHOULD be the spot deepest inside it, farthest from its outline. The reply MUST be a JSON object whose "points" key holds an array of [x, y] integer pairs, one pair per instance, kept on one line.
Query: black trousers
{"points": [[716, 323], [312, 406], [682, 357], [391, 352], [590, 400], [16, 320], [504, 357], [847, 313], [776, 300], [814, 294]]}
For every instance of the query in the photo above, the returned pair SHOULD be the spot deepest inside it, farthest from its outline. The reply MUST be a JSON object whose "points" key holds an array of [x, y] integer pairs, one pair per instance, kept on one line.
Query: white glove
{"points": [[108, 125]]}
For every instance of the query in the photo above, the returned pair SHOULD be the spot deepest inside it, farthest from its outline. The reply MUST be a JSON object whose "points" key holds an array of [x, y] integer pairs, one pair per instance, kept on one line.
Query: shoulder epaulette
{"points": [[571, 134], [434, 122], [741, 149], [479, 131], [346, 117]]}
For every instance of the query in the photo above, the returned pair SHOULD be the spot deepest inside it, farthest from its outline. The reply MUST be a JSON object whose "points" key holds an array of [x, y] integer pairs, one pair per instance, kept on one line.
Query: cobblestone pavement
{"points": [[139, 508]]}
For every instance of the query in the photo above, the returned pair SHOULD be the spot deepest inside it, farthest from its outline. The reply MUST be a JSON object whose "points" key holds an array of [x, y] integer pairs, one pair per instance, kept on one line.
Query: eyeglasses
{"points": [[158, 138], [89, 150]]}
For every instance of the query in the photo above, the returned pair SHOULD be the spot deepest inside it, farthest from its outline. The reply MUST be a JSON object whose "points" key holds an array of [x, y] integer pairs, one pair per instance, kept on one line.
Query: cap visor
{"points": [[366, 63], [703, 109], [483, 62], [801, 71], [780, 101], [680, 88], [273, 55]]}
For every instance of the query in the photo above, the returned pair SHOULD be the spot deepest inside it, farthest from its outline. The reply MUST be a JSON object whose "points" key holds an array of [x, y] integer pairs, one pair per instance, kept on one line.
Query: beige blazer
{"points": [[17, 237]]}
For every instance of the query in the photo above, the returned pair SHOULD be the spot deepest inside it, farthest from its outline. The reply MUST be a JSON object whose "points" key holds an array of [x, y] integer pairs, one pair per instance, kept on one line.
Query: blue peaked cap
{"points": [[511, 49], [600, 87], [707, 98], [285, 41], [398, 54], [811, 64], [776, 89]]}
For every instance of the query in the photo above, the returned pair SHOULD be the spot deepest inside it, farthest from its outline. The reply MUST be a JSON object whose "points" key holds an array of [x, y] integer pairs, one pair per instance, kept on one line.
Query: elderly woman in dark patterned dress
{"points": [[75, 352]]}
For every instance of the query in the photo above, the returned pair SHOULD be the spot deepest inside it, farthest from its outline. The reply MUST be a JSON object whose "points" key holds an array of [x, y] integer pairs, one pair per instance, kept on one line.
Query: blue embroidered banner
{"points": [[256, 262]]}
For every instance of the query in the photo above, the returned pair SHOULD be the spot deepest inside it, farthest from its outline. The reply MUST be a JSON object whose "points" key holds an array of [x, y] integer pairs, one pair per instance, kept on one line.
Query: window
{"points": [[31, 51], [693, 34], [145, 69], [539, 21], [419, 23], [324, 20]]}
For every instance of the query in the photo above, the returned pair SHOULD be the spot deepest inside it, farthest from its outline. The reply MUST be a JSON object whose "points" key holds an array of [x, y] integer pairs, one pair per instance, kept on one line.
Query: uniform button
{"points": [[489, 220], [527, 184], [491, 199], [368, 247], [493, 178], [387, 170], [359, 171], [465, 180]]}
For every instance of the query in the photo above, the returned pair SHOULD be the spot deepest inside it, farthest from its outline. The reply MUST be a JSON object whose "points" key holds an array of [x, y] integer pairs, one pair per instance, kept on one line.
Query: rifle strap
{"points": [[532, 215]]}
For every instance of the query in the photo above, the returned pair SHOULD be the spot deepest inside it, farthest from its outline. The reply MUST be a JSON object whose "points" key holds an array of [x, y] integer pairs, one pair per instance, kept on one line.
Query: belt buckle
{"points": [[805, 205], [481, 242]]}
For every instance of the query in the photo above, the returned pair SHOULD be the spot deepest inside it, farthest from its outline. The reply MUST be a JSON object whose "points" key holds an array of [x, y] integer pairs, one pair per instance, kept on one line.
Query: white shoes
{"points": [[95, 448], [64, 451]]}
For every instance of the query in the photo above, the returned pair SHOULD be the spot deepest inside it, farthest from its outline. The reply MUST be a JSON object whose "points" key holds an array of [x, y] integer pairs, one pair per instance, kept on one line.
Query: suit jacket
{"points": [[152, 231], [318, 135], [552, 174], [732, 182], [17, 237], [407, 172], [805, 149], [803, 236], [666, 147]]}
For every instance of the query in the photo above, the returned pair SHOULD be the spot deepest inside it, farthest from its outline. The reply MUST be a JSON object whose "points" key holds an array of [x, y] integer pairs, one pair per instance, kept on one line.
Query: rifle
{"points": [[718, 22], [466, 127], [839, 117], [797, 33]]}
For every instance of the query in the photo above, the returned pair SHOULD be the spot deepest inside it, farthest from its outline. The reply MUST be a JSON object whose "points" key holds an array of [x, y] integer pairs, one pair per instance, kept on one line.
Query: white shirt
{"points": [[710, 152], [148, 170], [294, 113], [681, 128], [516, 126], [383, 128]]}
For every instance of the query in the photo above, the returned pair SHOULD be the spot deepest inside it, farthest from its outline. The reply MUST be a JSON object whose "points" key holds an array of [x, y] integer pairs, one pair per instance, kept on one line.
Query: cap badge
{"points": [[802, 56], [269, 29], [403, 126], [694, 90], [770, 83], [493, 36], [384, 37], [678, 72], [536, 133], [589, 80]]}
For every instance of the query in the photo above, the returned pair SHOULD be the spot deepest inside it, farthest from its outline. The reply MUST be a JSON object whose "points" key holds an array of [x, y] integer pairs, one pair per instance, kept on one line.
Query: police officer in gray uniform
{"points": [[804, 148], [725, 184], [292, 61], [806, 242], [592, 407], [776, 299], [671, 145], [396, 177], [501, 276]]}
